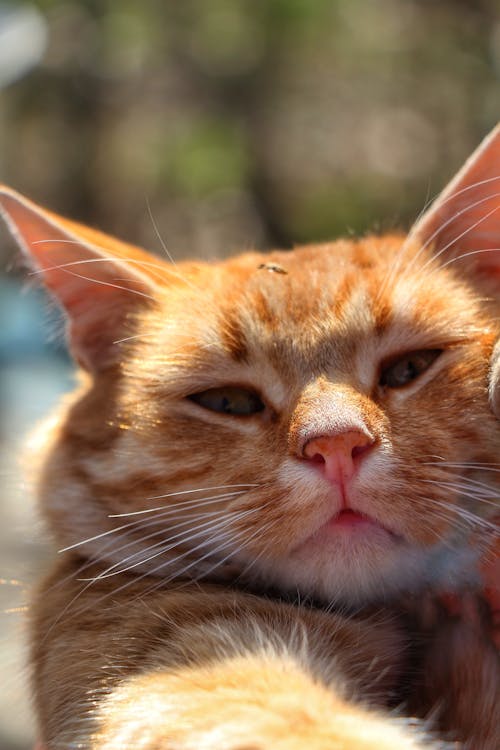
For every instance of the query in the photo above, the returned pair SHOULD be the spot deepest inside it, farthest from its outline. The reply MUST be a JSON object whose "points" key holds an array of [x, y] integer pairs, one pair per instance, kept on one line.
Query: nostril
{"points": [[358, 449], [317, 458]]}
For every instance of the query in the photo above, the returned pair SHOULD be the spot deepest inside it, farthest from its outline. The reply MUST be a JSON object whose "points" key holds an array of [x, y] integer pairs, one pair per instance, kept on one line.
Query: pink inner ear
{"points": [[465, 219], [97, 286]]}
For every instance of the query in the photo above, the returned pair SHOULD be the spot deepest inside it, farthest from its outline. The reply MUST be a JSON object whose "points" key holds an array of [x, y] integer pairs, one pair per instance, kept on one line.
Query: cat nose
{"points": [[338, 456]]}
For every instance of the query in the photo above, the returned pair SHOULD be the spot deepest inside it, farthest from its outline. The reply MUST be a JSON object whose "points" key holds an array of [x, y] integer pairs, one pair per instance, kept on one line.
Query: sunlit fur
{"points": [[312, 343], [171, 517], [231, 499], [192, 667]]}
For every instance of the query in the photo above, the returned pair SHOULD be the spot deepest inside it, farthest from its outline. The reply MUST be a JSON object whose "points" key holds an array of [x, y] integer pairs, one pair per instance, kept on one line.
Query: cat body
{"points": [[195, 666], [320, 422]]}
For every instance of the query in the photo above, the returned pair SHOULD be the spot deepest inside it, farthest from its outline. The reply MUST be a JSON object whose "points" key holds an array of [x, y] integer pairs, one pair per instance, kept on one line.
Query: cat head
{"points": [[318, 420]]}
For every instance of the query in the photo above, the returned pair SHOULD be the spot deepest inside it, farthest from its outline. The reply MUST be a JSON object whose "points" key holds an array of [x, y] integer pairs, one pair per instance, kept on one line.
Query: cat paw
{"points": [[246, 703]]}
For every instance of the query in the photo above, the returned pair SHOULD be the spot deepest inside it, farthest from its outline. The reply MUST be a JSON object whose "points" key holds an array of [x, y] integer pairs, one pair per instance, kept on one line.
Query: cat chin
{"points": [[353, 573]]}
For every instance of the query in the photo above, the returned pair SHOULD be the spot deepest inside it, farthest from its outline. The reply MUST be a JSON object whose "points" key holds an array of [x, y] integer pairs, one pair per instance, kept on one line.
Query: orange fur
{"points": [[199, 653], [153, 491]]}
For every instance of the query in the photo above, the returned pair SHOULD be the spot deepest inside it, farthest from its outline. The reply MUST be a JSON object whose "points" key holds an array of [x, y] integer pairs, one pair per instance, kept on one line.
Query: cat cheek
{"points": [[494, 381]]}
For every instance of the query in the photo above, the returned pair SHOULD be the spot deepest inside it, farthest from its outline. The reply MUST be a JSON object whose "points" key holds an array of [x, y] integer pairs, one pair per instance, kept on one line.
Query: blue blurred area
{"points": [[34, 371], [34, 366], [23, 333]]}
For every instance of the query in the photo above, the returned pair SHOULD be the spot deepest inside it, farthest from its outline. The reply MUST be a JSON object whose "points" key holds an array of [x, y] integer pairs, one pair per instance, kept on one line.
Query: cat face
{"points": [[336, 411], [315, 420]]}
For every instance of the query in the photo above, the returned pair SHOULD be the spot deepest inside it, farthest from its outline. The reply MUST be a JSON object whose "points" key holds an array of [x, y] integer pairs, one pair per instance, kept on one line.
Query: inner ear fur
{"points": [[463, 223], [463, 227]]}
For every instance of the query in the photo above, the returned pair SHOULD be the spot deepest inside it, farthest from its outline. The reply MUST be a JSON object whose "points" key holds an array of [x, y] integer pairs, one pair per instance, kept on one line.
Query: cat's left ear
{"points": [[463, 223], [99, 281]]}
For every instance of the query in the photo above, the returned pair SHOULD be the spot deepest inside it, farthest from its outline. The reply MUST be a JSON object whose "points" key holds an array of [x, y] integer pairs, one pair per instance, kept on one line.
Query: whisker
{"points": [[168, 508], [136, 336], [230, 542], [256, 557], [449, 221], [210, 553], [395, 267], [109, 549], [466, 255], [166, 273], [467, 515], [205, 489], [178, 574], [165, 544], [450, 514], [460, 479], [88, 584], [165, 248], [162, 507], [481, 485], [157, 232], [465, 231], [97, 536], [462, 487], [464, 464], [188, 520], [114, 286], [154, 571]]}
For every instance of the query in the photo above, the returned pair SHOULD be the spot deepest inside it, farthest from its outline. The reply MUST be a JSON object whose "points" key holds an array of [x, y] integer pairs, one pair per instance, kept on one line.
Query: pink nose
{"points": [[338, 455]]}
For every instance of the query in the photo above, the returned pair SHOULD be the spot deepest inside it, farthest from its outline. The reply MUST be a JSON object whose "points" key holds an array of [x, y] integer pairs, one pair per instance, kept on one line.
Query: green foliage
{"points": [[209, 156], [250, 121]]}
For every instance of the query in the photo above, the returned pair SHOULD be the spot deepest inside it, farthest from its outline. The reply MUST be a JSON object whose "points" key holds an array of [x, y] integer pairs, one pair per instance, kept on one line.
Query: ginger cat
{"points": [[321, 423]]}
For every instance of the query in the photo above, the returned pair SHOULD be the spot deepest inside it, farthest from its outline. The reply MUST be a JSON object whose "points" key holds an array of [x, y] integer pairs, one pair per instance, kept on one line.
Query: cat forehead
{"points": [[304, 283], [316, 308], [360, 287]]}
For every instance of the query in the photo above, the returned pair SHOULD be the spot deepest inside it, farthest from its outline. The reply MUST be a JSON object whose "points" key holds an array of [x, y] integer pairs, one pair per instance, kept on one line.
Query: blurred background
{"points": [[239, 123]]}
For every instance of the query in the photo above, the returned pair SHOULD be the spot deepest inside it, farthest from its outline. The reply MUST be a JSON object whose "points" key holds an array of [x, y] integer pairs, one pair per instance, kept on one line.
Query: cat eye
{"points": [[239, 402], [407, 368]]}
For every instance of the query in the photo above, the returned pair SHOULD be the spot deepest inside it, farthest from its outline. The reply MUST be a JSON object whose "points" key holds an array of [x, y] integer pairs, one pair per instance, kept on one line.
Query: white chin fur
{"points": [[339, 573]]}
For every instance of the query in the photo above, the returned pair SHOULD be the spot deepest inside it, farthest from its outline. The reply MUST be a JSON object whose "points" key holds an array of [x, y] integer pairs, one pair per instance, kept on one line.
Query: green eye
{"points": [[239, 402], [407, 368]]}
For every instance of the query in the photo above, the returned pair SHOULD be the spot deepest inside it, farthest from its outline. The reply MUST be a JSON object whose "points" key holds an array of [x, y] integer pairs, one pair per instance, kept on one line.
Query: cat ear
{"points": [[99, 281], [464, 221]]}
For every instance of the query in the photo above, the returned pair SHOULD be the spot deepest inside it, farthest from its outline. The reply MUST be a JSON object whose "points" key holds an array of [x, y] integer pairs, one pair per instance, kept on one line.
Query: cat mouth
{"points": [[349, 517], [347, 532], [352, 521]]}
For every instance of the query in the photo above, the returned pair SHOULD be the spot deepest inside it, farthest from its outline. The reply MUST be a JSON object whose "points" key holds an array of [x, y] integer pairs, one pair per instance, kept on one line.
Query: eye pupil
{"points": [[238, 402], [407, 368], [409, 371]]}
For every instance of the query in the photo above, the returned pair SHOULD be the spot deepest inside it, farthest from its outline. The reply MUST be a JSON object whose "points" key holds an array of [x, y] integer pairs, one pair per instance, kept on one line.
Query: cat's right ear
{"points": [[99, 281], [463, 224], [463, 227]]}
